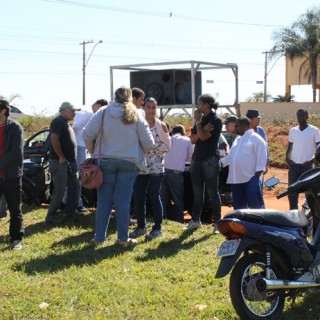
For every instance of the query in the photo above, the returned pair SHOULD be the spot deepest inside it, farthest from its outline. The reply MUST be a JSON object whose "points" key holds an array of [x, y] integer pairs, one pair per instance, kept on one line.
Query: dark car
{"points": [[38, 144], [36, 180]]}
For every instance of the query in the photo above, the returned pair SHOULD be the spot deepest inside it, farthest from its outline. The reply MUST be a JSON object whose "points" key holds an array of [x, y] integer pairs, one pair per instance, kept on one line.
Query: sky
{"points": [[41, 57]]}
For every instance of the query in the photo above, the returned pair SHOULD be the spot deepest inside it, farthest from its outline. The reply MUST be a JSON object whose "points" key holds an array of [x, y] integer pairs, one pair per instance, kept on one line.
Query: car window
{"points": [[39, 139]]}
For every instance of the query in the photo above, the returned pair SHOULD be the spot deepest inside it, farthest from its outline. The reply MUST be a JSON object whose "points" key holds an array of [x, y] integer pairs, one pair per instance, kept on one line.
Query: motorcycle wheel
{"points": [[28, 194], [249, 303]]}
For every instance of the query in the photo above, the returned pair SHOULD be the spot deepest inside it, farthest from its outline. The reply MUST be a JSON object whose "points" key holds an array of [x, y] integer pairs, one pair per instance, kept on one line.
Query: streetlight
{"points": [[266, 72], [84, 64]]}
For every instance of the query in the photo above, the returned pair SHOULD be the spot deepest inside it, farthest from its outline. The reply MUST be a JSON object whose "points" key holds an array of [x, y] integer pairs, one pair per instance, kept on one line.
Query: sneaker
{"points": [[193, 225], [95, 243], [81, 209], [128, 243], [215, 229], [154, 234], [16, 245], [138, 232]]}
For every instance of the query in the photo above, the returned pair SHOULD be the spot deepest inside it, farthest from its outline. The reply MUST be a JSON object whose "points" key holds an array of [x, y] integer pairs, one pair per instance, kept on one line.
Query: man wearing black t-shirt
{"points": [[63, 164]]}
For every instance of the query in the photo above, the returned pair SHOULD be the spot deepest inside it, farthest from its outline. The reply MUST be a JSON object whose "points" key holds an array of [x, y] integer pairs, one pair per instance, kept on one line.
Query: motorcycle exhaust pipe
{"points": [[276, 284]]}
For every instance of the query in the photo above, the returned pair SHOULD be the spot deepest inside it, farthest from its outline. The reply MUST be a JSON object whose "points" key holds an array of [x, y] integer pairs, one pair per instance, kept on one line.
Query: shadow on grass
{"points": [[309, 309], [83, 220], [66, 253], [173, 246]]}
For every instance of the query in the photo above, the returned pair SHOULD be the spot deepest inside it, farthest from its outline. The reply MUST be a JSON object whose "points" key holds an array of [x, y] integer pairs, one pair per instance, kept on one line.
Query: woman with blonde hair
{"points": [[119, 149]]}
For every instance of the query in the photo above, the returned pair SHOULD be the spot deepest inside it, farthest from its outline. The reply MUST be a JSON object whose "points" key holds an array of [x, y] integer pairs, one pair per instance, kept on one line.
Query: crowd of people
{"points": [[143, 161]]}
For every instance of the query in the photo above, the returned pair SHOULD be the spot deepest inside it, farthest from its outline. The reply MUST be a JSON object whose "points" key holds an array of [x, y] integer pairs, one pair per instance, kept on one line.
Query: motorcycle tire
{"points": [[28, 194], [249, 303]]}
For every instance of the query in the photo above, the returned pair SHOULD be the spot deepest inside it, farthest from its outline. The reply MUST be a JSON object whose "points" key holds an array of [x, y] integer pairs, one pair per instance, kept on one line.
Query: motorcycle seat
{"points": [[292, 218]]}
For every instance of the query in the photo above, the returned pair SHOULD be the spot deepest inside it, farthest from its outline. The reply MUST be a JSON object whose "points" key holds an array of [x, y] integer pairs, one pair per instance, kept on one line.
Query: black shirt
{"points": [[208, 148], [67, 139]]}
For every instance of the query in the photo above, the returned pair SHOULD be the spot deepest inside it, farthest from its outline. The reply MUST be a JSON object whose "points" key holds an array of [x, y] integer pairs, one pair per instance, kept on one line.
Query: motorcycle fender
{"points": [[227, 263]]}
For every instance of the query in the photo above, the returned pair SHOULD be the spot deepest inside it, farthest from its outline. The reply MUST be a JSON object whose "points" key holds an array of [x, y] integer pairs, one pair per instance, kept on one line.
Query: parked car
{"points": [[37, 144], [36, 180], [16, 113]]}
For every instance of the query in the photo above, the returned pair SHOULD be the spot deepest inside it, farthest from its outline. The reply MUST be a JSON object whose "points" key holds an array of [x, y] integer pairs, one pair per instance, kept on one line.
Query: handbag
{"points": [[90, 174]]}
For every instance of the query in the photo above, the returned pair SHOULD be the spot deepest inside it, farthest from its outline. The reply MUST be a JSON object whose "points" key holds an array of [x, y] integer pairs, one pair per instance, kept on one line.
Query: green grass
{"points": [[168, 278]]}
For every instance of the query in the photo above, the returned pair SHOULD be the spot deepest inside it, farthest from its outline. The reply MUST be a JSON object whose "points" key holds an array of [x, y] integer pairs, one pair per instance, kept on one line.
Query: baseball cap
{"points": [[68, 105], [253, 114], [231, 119]]}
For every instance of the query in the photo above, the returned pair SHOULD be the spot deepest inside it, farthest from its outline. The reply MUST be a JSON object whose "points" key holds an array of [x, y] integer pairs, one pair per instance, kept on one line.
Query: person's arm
{"points": [[55, 142], [261, 156], [164, 146], [89, 145], [288, 154], [189, 152], [202, 134], [16, 147], [238, 109]]}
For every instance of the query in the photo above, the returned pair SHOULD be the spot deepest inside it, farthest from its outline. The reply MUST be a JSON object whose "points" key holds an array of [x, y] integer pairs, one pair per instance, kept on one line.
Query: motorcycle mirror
{"points": [[272, 182]]}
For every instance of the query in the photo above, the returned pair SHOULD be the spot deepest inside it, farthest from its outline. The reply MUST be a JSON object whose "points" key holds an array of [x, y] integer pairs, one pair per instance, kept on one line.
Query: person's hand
{"points": [[197, 115], [208, 127], [62, 160]]}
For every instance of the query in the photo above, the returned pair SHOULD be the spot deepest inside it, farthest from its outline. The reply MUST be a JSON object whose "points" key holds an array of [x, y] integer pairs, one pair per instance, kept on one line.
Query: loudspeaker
{"points": [[168, 87]]}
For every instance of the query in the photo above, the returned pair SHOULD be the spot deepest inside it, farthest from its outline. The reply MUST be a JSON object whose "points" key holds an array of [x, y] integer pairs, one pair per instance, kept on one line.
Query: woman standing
{"points": [[150, 179], [126, 136], [205, 165]]}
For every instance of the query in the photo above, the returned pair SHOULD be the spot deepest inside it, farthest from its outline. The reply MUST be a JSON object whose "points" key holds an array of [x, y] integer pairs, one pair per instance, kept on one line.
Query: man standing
{"points": [[174, 164], [138, 96], [11, 170], [63, 164], [303, 140], [230, 125], [247, 161]]}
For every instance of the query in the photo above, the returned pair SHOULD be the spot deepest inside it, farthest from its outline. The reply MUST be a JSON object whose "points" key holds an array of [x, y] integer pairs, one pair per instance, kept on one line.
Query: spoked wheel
{"points": [[249, 303]]}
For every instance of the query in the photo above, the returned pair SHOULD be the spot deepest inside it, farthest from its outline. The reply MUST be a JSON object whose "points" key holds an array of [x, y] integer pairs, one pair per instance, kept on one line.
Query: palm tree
{"points": [[11, 97], [301, 40], [286, 98], [258, 97]]}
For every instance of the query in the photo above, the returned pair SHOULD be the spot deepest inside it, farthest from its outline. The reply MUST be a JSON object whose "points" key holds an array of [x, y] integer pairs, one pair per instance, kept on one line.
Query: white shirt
{"points": [[180, 152], [303, 143], [141, 112], [80, 120], [248, 155]]}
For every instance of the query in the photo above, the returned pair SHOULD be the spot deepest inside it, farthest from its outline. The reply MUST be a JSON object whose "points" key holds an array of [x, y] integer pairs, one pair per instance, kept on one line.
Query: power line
{"points": [[157, 13]]}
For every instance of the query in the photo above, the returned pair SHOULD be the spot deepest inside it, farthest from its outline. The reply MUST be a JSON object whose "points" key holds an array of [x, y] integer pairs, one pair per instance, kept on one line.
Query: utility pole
{"points": [[266, 72], [84, 70], [265, 76], [84, 64]]}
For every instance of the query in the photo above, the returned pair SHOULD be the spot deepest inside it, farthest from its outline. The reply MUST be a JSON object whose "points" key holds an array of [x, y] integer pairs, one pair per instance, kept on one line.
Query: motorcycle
{"points": [[269, 254]]}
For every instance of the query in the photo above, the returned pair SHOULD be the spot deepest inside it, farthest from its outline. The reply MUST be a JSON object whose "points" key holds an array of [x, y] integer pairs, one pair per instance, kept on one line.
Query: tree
{"points": [[285, 98], [301, 40], [11, 97], [258, 97]]}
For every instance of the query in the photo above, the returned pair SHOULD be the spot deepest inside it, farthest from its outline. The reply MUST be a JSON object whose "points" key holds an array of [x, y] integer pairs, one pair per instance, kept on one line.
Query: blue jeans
{"points": [[143, 184], [248, 194], [118, 179], [295, 171], [11, 189], [64, 175], [205, 173], [173, 188]]}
